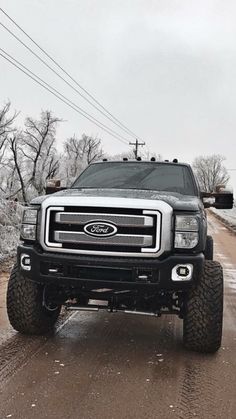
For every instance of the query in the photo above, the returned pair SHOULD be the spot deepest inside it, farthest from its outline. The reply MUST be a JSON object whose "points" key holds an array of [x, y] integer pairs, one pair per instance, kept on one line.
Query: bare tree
{"points": [[7, 128], [79, 153], [15, 143], [38, 148], [91, 148], [72, 157], [210, 172], [6, 123]]}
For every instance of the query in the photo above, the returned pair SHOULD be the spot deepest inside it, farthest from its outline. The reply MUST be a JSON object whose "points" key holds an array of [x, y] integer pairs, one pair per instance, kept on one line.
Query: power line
{"points": [[114, 119], [64, 97], [44, 62], [66, 101]]}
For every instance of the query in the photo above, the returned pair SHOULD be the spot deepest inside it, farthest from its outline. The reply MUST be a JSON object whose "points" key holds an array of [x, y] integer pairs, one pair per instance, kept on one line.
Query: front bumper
{"points": [[90, 272]]}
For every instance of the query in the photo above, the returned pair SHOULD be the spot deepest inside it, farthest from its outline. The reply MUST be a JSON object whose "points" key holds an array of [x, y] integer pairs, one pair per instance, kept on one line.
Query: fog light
{"points": [[182, 272], [25, 262]]}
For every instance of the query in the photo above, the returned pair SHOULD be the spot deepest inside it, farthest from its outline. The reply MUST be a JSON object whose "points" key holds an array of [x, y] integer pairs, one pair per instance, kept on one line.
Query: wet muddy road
{"points": [[119, 366]]}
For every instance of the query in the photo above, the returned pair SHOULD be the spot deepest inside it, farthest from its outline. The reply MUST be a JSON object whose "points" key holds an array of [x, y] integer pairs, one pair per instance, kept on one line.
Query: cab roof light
{"points": [[175, 161], [104, 159], [125, 159], [153, 159], [167, 161], [139, 159]]}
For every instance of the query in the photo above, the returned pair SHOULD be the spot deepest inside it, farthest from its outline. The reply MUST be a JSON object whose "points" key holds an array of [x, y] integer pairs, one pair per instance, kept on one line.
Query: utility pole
{"points": [[136, 144]]}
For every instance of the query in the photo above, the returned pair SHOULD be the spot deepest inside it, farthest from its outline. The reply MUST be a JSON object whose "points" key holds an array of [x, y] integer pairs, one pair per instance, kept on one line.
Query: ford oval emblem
{"points": [[100, 229]]}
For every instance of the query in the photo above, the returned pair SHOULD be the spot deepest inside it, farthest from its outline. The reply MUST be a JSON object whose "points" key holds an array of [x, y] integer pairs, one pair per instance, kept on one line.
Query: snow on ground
{"points": [[227, 216]]}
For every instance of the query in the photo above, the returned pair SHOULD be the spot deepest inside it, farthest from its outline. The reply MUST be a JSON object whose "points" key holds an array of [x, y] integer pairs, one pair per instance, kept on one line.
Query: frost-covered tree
{"points": [[17, 168], [7, 128], [210, 172], [39, 151], [78, 153]]}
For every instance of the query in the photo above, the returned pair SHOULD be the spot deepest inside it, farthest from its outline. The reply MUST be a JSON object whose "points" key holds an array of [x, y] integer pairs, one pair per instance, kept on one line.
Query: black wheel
{"points": [[209, 249], [26, 310], [203, 314]]}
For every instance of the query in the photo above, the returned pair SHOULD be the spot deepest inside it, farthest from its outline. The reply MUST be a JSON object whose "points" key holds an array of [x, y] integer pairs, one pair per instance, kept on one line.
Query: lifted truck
{"points": [[127, 236]]}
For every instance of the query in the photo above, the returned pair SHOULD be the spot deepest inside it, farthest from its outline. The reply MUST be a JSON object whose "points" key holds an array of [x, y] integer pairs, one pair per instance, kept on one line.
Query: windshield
{"points": [[133, 175]]}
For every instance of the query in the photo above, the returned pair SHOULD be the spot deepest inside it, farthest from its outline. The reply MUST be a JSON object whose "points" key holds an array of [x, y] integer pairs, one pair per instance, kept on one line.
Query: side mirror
{"points": [[221, 199], [53, 185]]}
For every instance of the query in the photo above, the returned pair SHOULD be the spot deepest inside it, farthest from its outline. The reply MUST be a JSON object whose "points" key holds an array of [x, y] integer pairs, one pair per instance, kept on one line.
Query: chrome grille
{"points": [[137, 233], [117, 240], [117, 219]]}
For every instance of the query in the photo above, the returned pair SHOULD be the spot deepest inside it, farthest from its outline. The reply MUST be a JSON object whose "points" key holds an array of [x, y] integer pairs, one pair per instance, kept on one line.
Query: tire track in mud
{"points": [[18, 349], [200, 384]]}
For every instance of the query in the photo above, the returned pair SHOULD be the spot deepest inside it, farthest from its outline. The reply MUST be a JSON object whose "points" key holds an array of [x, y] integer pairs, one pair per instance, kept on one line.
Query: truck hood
{"points": [[175, 200]]}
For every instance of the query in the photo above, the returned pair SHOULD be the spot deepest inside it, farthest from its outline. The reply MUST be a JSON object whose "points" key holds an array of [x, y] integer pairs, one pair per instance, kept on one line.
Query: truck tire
{"points": [[25, 308], [203, 314], [209, 249]]}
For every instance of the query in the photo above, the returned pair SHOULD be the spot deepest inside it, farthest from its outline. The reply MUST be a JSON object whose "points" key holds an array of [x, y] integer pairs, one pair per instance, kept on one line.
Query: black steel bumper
{"points": [[89, 272]]}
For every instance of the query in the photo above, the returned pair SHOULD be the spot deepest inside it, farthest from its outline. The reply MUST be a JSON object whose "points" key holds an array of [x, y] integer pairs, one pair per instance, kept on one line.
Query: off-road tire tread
{"points": [[24, 306], [203, 317]]}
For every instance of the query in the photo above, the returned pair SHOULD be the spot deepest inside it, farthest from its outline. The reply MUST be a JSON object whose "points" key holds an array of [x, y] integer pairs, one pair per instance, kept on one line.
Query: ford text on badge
{"points": [[100, 229]]}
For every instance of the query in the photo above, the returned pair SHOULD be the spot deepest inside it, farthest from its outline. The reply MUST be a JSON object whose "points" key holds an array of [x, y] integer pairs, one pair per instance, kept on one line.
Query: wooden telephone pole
{"points": [[136, 146]]}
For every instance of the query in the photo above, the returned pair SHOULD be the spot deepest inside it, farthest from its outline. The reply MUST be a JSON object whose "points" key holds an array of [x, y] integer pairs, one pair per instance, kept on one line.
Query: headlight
{"points": [[186, 240], [30, 216], [28, 231], [29, 223], [186, 223], [186, 232]]}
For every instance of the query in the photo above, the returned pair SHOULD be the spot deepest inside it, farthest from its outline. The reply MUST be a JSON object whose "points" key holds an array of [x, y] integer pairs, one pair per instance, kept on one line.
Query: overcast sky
{"points": [[165, 68]]}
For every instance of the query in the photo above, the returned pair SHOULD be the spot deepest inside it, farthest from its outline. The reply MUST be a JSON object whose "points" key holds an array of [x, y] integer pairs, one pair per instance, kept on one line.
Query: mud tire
{"points": [[25, 308], [209, 250], [203, 314]]}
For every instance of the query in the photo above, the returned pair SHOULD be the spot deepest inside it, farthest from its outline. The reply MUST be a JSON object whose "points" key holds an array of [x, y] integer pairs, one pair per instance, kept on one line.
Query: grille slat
{"points": [[118, 219], [117, 240]]}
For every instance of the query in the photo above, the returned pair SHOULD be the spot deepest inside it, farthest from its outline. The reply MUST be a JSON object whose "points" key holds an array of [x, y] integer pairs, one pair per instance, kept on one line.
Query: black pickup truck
{"points": [[128, 236]]}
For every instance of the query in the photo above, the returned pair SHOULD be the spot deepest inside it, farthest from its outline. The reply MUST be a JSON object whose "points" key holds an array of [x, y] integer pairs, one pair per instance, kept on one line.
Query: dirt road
{"points": [[119, 366]]}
